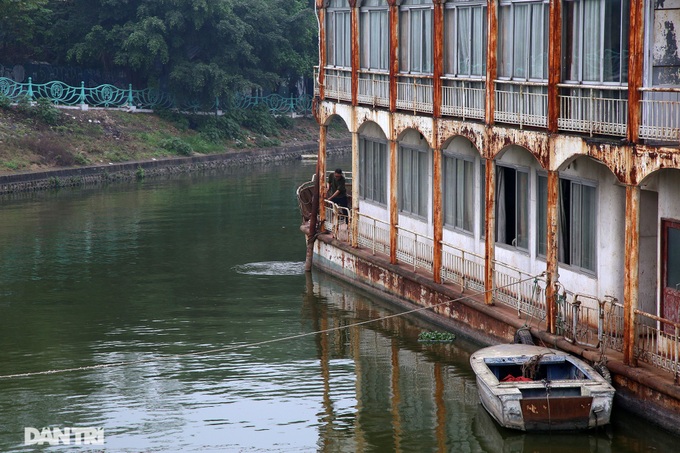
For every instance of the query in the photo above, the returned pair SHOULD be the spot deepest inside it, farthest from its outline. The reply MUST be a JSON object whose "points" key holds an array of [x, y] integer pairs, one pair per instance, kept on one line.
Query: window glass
{"points": [[512, 206], [458, 192], [373, 170], [577, 222], [413, 181]]}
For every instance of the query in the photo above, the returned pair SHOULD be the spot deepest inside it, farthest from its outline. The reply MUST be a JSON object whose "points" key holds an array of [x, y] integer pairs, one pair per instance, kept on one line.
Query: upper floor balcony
{"points": [[594, 110], [565, 66]]}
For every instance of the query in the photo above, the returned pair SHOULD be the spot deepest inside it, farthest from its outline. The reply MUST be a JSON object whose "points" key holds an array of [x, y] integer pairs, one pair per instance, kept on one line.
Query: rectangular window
{"points": [[523, 40], [577, 222], [413, 181], [338, 38], [373, 170], [458, 192], [596, 40], [374, 39], [542, 215], [415, 28], [465, 40], [512, 207]]}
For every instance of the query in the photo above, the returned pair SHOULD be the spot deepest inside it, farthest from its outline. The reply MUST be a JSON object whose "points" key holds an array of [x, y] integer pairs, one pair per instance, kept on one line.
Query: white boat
{"points": [[533, 388]]}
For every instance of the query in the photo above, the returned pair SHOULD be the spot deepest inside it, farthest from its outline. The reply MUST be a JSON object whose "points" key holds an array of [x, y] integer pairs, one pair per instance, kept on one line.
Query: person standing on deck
{"points": [[337, 189]]}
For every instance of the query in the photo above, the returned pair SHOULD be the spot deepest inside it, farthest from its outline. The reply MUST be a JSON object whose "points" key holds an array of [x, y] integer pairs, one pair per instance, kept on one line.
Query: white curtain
{"points": [[478, 57], [501, 219], [505, 27], [464, 38], [522, 221], [521, 39], [592, 31]]}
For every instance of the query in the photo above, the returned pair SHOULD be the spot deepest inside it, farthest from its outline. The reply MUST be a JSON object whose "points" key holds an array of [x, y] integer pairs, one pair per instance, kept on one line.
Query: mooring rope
{"points": [[250, 345]]}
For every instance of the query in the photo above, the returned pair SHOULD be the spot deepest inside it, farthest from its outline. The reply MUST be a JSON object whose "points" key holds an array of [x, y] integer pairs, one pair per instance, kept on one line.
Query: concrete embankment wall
{"points": [[649, 393], [103, 174]]}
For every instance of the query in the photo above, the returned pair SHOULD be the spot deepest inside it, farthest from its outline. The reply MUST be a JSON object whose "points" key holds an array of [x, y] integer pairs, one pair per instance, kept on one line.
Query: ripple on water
{"points": [[271, 268]]}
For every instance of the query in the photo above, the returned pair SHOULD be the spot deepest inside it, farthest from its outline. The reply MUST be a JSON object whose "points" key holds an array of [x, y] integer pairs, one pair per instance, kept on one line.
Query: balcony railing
{"points": [[593, 110], [415, 249], [658, 342], [519, 290], [414, 93], [463, 98], [374, 89], [601, 110], [374, 234], [581, 318], [660, 114], [338, 84], [522, 103], [462, 268]]}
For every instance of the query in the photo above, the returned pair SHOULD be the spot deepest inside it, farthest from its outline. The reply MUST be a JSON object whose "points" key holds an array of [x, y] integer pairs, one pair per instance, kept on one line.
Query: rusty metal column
{"points": [[394, 206], [321, 11], [437, 217], [490, 229], [354, 49], [491, 60], [551, 251], [636, 57], [631, 272], [554, 63], [321, 171], [394, 52], [354, 225], [437, 57], [317, 204]]}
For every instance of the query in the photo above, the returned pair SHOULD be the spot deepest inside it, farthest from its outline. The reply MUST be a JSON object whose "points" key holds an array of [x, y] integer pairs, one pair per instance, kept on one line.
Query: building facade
{"points": [[496, 140]]}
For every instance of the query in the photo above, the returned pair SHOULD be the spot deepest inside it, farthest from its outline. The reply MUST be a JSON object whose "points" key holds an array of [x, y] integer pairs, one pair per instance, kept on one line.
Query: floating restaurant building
{"points": [[523, 153]]}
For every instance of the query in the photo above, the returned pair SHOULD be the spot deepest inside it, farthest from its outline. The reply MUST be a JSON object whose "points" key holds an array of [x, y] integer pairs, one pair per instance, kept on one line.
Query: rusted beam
{"points": [[321, 173], [438, 57], [318, 190], [355, 187], [551, 251], [631, 273], [635, 63], [394, 52], [437, 215], [394, 207], [490, 229], [554, 63], [321, 12], [354, 49], [491, 60]]}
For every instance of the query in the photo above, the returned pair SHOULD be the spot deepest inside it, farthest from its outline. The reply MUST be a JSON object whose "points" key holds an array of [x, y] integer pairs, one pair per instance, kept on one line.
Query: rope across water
{"points": [[248, 345]]}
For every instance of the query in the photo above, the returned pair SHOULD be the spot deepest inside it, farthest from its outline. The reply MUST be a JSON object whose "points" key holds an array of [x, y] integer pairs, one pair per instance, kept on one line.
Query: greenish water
{"points": [[197, 284]]}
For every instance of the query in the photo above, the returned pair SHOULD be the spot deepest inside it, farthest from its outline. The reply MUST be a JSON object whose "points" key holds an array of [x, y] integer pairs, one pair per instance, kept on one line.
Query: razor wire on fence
{"points": [[110, 96]]}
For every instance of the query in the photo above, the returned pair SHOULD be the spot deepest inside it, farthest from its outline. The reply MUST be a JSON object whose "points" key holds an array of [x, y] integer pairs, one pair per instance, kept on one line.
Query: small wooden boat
{"points": [[533, 388]]}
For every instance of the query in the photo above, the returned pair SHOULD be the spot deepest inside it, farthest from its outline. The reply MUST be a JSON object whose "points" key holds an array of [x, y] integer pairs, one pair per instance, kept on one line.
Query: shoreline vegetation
{"points": [[43, 147]]}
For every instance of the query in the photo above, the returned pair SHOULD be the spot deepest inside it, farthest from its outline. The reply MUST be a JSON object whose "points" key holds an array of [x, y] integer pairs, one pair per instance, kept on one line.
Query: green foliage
{"points": [[177, 145], [45, 111], [259, 120], [436, 337], [140, 174], [5, 102], [284, 122], [197, 49]]}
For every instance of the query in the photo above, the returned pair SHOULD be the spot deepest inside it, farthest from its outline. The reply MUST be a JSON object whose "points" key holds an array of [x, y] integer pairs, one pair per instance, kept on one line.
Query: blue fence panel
{"points": [[111, 96]]}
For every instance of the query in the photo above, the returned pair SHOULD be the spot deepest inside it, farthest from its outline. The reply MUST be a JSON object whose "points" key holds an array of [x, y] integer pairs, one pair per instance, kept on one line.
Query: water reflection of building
{"points": [[405, 397], [497, 140]]}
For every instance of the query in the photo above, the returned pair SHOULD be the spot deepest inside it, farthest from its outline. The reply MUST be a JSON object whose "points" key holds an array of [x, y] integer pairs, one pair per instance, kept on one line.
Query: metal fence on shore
{"points": [[110, 96]]}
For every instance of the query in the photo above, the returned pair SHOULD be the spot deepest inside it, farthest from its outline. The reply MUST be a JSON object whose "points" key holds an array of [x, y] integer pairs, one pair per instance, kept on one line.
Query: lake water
{"points": [[177, 317]]}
